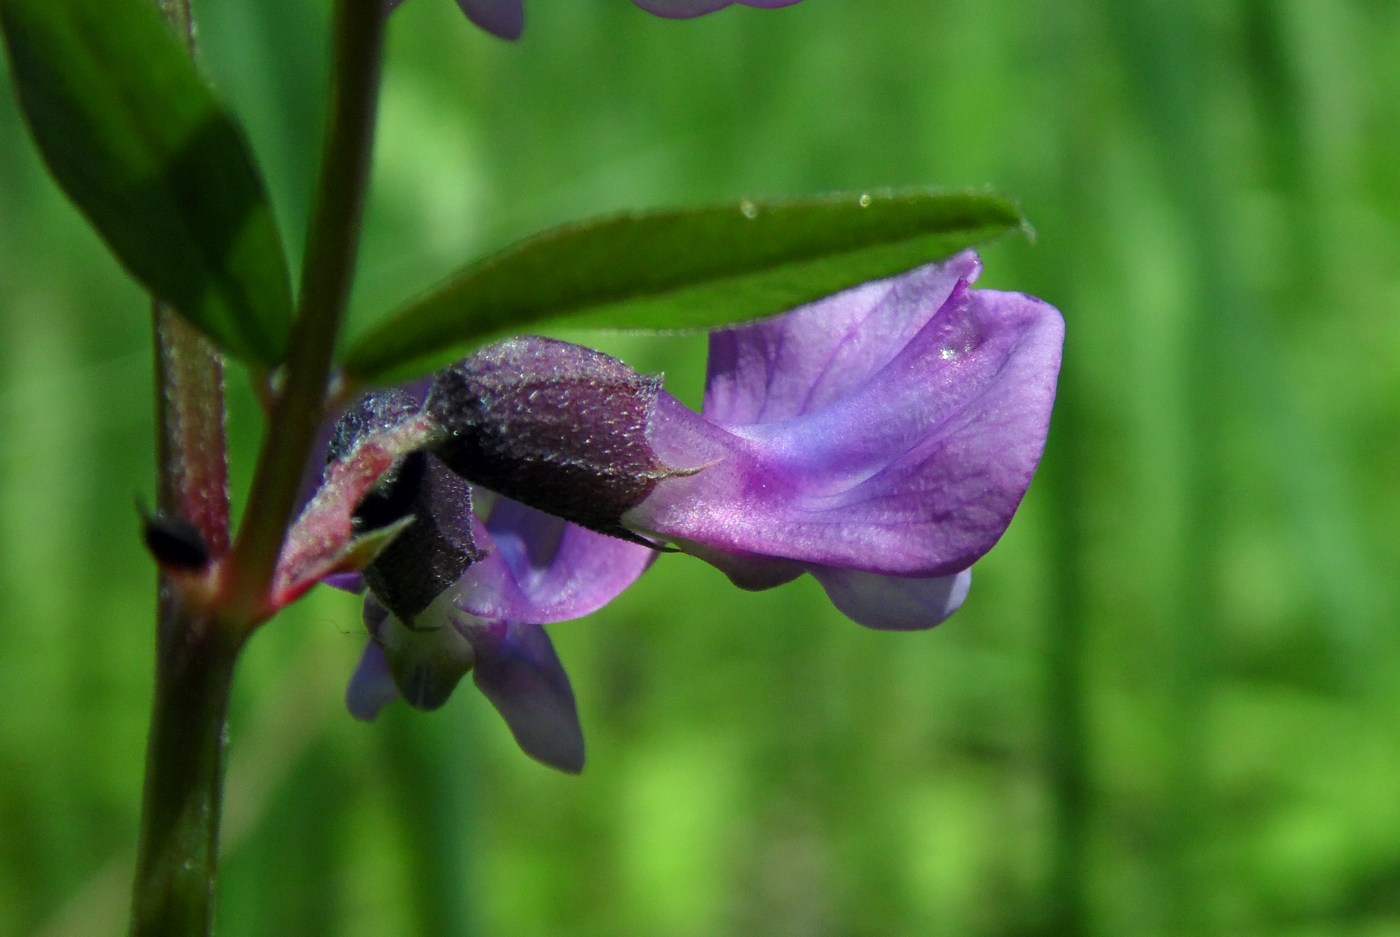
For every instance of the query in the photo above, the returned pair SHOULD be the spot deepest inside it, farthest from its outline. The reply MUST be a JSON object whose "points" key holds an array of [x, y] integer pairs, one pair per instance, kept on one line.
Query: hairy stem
{"points": [[178, 849], [192, 453], [197, 642], [177, 859]]}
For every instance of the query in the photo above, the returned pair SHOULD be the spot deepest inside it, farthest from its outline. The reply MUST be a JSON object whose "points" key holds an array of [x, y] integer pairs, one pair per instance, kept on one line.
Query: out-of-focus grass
{"points": [[1167, 707]]}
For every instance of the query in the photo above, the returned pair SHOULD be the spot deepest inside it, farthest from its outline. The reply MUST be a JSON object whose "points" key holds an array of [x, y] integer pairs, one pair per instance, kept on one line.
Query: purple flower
{"points": [[452, 586], [506, 18], [880, 439], [533, 569]]}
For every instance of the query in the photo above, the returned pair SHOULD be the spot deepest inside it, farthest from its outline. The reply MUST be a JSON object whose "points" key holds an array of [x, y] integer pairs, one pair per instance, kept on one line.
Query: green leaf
{"points": [[140, 145], [682, 269]]}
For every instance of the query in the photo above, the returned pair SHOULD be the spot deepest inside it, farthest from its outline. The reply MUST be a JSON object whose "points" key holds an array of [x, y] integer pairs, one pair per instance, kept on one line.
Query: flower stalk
{"points": [[199, 634], [332, 242], [192, 454], [177, 858], [177, 852]]}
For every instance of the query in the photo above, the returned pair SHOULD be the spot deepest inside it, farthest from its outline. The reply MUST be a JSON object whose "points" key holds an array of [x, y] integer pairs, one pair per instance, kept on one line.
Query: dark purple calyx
{"points": [[371, 415], [556, 426], [436, 548]]}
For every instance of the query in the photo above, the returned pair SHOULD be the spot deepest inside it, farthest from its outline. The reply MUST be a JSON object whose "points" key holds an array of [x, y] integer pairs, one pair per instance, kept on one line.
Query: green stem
{"points": [[178, 848], [197, 648], [332, 243], [177, 858], [191, 446], [192, 453]]}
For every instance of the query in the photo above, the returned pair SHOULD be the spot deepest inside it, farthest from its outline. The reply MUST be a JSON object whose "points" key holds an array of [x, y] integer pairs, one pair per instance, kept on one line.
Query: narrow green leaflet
{"points": [[137, 141], [683, 269]]}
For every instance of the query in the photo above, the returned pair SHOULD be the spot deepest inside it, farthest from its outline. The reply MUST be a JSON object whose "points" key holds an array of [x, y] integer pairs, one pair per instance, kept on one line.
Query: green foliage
{"points": [[138, 142], [680, 269]]}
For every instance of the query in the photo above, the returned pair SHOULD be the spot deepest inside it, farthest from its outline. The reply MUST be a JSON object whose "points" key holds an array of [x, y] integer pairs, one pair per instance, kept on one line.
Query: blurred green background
{"points": [[1170, 706]]}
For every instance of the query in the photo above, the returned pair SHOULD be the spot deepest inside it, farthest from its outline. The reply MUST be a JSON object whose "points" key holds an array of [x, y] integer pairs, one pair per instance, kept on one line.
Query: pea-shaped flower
{"points": [[456, 581], [880, 439]]}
